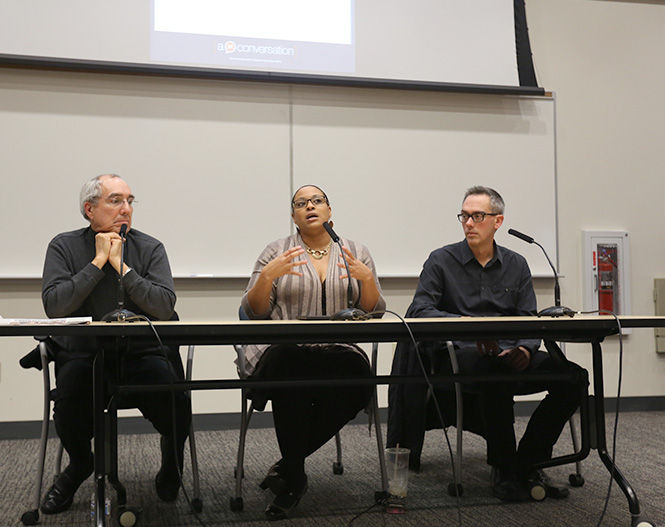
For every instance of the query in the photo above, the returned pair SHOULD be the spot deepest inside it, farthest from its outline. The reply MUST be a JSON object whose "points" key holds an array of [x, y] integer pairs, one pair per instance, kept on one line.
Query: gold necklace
{"points": [[317, 254]]}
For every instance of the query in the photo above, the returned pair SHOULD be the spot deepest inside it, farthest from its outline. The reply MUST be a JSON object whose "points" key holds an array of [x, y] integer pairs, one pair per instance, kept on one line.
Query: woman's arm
{"points": [[362, 269], [265, 273]]}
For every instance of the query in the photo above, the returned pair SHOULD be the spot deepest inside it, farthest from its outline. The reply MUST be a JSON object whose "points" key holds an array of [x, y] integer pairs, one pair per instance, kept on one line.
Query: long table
{"points": [[588, 329]]}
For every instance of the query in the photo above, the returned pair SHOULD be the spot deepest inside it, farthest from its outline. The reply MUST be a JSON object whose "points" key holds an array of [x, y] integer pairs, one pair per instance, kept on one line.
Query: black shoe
{"points": [[167, 485], [274, 480], [60, 496], [167, 480], [285, 502], [541, 486], [507, 487]]}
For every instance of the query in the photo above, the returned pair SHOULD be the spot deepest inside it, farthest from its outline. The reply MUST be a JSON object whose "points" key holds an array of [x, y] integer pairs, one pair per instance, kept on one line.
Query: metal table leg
{"points": [[601, 442], [99, 437]]}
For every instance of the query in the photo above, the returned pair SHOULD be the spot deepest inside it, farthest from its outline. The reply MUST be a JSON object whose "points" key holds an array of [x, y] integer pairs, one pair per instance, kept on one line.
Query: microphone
{"points": [[557, 310], [350, 313], [527, 239], [120, 314], [331, 232]]}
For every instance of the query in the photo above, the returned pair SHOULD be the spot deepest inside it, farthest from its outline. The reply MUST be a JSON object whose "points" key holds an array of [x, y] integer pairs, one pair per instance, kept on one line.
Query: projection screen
{"points": [[421, 43]]}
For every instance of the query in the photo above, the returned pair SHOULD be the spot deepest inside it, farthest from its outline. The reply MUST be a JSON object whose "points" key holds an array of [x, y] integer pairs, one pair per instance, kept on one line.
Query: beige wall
{"points": [[603, 59]]}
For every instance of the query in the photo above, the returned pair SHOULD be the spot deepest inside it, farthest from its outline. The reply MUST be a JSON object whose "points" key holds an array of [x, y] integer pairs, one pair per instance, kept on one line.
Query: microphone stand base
{"points": [[350, 313], [556, 311], [118, 315]]}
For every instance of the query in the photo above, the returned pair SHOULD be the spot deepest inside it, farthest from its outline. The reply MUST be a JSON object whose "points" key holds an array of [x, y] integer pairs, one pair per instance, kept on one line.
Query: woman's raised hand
{"points": [[284, 264], [357, 269]]}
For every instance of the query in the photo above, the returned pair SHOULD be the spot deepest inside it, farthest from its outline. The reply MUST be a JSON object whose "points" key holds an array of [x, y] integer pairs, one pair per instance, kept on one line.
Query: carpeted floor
{"points": [[334, 500]]}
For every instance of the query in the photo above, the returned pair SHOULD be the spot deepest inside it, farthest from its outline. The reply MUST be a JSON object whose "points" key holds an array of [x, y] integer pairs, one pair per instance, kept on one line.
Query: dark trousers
{"points": [[496, 408], [306, 418], [73, 409]]}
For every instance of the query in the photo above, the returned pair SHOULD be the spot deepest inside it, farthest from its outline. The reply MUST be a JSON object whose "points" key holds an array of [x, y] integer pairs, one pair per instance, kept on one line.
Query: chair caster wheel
{"points": [[537, 492], [197, 505], [576, 480], [236, 504], [128, 516], [30, 517], [455, 490], [636, 522], [338, 468]]}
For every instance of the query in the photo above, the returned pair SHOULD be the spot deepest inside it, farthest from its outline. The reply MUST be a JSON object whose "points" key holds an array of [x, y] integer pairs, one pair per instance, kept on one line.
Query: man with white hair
{"points": [[80, 278]]}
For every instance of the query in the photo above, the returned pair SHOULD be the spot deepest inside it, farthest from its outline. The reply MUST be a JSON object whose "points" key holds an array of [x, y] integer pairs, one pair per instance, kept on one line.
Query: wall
{"points": [[603, 61], [246, 145]]}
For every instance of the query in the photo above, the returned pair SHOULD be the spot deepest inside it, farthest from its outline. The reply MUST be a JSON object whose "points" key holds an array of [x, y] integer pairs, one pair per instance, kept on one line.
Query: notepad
{"points": [[69, 321]]}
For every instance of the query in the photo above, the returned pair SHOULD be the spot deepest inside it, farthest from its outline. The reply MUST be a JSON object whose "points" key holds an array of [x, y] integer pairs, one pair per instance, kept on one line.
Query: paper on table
{"points": [[70, 321]]}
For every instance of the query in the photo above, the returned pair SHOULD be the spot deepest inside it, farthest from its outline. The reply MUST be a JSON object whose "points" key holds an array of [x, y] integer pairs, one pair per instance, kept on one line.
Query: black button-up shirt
{"points": [[453, 283]]}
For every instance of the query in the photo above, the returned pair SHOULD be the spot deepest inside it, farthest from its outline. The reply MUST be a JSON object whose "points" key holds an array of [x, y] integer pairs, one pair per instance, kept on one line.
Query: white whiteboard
{"points": [[396, 166], [213, 164], [207, 161]]}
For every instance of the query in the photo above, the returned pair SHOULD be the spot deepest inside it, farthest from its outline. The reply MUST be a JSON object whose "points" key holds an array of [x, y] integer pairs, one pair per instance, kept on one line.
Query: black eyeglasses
{"points": [[316, 201], [477, 217]]}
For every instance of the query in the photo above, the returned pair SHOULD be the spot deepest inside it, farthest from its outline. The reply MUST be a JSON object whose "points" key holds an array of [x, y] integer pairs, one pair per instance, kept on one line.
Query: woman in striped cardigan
{"points": [[303, 275]]}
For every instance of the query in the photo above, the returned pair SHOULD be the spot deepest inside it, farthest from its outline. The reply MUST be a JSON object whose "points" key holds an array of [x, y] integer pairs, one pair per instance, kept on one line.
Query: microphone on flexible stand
{"points": [[120, 314], [557, 310], [350, 312]]}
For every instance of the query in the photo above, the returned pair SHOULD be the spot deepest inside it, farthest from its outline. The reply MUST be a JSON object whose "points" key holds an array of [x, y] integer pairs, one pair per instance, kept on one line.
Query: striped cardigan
{"points": [[296, 296]]}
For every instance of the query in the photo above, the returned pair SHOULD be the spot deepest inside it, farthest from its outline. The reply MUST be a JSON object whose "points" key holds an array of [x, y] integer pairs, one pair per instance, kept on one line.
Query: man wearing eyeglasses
{"points": [[80, 278], [477, 277]]}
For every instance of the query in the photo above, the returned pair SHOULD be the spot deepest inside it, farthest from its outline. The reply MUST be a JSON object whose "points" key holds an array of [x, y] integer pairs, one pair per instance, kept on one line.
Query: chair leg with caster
{"points": [[236, 504], [537, 491], [576, 480], [455, 489], [30, 517], [337, 466], [197, 505], [128, 516]]}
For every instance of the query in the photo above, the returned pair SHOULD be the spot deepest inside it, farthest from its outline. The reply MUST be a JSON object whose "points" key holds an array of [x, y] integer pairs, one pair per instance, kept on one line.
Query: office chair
{"points": [[247, 408], [455, 488], [39, 358]]}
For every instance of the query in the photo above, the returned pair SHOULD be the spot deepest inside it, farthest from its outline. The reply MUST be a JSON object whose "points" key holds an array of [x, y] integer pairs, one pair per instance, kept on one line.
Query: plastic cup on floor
{"points": [[397, 465]]}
